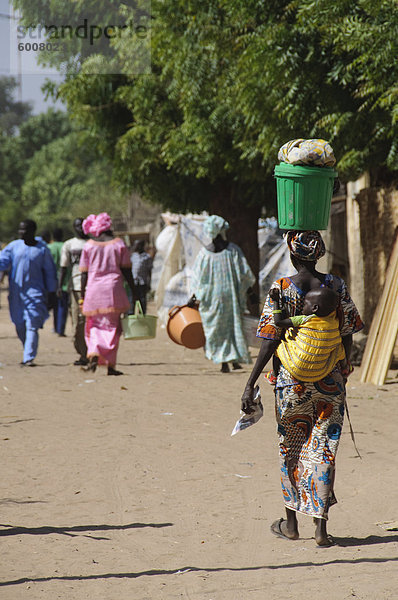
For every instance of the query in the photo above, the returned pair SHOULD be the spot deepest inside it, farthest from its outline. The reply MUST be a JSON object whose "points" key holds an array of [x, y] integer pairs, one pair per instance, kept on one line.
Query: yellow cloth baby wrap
{"points": [[311, 351]]}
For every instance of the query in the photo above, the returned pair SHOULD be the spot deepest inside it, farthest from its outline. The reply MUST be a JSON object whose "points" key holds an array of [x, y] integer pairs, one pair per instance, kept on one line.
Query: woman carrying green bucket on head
{"points": [[309, 414]]}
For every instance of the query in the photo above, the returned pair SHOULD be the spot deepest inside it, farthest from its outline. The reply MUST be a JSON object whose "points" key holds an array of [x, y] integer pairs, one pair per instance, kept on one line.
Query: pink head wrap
{"points": [[97, 224]]}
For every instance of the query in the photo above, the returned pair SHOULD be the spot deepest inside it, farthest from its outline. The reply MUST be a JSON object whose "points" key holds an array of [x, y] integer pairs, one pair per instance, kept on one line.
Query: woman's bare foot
{"points": [[236, 366], [321, 535], [225, 367], [291, 525], [280, 528], [286, 528]]}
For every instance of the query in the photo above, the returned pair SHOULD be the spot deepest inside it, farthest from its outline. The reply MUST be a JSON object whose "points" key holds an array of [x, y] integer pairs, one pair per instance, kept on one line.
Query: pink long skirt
{"points": [[102, 333]]}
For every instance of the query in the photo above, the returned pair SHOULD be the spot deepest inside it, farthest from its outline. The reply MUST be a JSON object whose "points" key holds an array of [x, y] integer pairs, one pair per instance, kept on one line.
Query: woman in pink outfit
{"points": [[104, 261]]}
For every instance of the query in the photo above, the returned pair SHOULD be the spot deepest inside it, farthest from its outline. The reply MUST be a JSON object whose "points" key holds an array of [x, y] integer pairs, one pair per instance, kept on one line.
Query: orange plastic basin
{"points": [[185, 327]]}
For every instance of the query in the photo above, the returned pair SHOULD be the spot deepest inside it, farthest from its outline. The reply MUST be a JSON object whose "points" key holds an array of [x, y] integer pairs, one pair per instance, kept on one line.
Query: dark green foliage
{"points": [[230, 83], [329, 70], [16, 152], [50, 172], [66, 179], [12, 112]]}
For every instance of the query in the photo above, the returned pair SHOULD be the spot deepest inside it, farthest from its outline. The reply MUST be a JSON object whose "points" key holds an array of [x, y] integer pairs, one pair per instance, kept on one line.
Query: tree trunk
{"points": [[243, 221]]}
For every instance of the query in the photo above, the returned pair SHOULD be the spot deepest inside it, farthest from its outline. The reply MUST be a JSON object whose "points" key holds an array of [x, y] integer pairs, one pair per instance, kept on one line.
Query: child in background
{"points": [[141, 267]]}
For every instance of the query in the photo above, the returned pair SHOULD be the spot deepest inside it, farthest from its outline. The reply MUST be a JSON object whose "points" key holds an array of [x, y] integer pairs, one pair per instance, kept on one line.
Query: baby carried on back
{"points": [[312, 346]]}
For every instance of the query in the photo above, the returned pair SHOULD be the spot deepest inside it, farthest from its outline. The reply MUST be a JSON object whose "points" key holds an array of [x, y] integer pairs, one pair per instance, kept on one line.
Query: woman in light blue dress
{"points": [[220, 281]]}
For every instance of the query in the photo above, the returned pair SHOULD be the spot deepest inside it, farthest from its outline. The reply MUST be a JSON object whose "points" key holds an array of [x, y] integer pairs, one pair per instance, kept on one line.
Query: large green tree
{"points": [[65, 180], [321, 69], [12, 115], [16, 151], [50, 171], [174, 134], [12, 112], [230, 82]]}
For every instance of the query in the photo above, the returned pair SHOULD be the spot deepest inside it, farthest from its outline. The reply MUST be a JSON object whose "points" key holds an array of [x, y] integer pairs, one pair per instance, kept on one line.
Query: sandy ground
{"points": [[131, 488]]}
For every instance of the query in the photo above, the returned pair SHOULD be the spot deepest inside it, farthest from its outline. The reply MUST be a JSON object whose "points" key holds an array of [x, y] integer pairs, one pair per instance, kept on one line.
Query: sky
{"points": [[32, 76]]}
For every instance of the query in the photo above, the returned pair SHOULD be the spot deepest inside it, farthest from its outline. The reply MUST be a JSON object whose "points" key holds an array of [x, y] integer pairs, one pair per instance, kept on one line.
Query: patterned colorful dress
{"points": [[220, 281], [309, 416]]}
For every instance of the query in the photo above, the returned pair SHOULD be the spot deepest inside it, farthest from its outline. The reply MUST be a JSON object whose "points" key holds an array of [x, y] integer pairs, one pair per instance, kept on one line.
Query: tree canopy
{"points": [[230, 83], [12, 112], [65, 180], [322, 69], [12, 115], [51, 173]]}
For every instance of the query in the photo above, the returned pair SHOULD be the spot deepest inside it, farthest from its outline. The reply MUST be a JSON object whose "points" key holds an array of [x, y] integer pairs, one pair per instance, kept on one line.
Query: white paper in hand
{"points": [[246, 420]]}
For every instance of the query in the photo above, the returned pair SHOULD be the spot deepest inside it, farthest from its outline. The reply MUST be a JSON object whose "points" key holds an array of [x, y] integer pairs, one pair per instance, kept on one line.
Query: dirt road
{"points": [[131, 488]]}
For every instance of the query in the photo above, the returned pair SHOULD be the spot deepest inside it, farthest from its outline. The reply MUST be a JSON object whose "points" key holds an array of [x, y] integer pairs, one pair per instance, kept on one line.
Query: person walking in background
{"points": [[45, 236], [309, 414], [104, 261], [60, 308], [141, 266], [32, 284], [220, 281], [69, 270]]}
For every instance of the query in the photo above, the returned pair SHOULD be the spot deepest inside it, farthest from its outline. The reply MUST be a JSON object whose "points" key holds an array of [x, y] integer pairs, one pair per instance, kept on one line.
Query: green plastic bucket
{"points": [[304, 196], [139, 326]]}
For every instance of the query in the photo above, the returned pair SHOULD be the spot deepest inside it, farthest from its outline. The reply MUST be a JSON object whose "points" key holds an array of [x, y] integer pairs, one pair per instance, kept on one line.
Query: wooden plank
{"points": [[380, 347], [384, 346], [383, 330], [389, 334], [375, 325]]}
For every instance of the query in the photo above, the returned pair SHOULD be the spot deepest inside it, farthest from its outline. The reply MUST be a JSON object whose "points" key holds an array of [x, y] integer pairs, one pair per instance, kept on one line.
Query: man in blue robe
{"points": [[33, 282]]}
